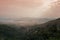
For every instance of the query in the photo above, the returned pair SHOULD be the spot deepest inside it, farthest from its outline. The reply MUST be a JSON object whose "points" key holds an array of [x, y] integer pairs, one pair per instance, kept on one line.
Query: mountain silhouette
{"points": [[52, 23]]}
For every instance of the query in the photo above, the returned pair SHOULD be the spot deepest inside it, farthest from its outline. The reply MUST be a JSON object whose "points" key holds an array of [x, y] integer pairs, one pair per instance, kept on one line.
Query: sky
{"points": [[29, 8]]}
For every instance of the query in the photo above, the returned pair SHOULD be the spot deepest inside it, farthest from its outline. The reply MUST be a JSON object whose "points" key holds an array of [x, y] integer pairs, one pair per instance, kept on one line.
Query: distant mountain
{"points": [[24, 21]]}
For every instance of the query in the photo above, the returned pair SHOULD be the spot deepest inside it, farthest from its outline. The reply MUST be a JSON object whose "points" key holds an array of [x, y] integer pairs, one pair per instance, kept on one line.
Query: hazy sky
{"points": [[29, 8]]}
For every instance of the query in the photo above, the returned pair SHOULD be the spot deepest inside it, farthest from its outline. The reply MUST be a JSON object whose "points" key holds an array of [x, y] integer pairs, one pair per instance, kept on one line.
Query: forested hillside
{"points": [[47, 31]]}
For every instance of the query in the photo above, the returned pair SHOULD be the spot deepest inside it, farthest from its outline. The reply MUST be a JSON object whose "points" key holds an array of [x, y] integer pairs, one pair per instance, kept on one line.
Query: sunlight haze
{"points": [[29, 8]]}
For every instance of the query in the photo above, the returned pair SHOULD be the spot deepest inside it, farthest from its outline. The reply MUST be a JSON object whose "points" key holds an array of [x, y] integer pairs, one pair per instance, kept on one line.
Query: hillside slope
{"points": [[47, 31]]}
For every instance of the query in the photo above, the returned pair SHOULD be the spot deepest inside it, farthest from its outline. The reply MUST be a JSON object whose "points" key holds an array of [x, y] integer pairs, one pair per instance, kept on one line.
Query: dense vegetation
{"points": [[46, 31]]}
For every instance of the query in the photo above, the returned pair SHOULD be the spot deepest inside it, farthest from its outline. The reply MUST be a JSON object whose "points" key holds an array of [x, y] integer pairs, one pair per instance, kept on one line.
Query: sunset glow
{"points": [[29, 8]]}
